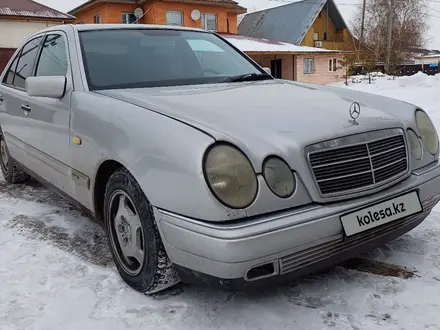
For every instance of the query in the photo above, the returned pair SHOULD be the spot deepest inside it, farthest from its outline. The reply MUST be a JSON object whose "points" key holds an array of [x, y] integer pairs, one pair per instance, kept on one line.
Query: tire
{"points": [[11, 172], [130, 226]]}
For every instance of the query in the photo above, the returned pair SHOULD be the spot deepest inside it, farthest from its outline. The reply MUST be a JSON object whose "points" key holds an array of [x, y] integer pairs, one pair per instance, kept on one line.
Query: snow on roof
{"points": [[249, 44], [428, 56]]}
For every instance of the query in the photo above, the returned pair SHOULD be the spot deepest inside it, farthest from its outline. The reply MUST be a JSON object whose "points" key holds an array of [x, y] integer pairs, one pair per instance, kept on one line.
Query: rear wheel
{"points": [[11, 172], [134, 239]]}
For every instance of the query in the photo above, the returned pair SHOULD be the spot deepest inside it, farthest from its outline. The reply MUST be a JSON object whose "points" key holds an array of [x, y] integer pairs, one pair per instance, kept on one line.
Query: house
{"points": [[216, 15], [292, 62], [313, 23], [21, 18]]}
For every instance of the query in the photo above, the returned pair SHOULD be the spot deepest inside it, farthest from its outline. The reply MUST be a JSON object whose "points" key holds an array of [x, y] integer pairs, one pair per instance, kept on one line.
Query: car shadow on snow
{"points": [[60, 223], [65, 227]]}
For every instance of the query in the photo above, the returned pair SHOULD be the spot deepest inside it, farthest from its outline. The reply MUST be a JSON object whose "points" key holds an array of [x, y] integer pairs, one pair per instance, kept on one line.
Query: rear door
{"points": [[15, 125], [40, 126]]}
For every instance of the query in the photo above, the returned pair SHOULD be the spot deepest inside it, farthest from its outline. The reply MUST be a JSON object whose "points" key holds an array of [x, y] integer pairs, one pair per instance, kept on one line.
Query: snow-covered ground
{"points": [[56, 272]]}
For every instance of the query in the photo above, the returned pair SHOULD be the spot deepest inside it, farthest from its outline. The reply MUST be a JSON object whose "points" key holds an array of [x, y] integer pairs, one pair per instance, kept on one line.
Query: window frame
{"points": [[332, 64], [204, 21], [95, 19], [40, 52], [174, 11], [18, 55], [315, 36], [312, 60], [125, 14]]}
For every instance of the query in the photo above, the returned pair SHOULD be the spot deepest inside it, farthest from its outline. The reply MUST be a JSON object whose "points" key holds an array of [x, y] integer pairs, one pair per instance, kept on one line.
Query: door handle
{"points": [[25, 107]]}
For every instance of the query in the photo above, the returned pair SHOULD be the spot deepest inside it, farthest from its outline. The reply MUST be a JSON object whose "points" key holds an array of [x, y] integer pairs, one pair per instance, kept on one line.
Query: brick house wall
{"points": [[111, 13], [321, 74], [293, 67], [287, 67]]}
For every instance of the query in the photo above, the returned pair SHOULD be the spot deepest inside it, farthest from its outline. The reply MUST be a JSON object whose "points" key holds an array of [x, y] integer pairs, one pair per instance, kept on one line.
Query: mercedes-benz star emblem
{"points": [[355, 111]]}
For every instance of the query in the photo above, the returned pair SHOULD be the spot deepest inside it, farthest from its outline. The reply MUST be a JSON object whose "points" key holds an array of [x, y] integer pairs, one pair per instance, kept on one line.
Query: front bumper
{"points": [[286, 245]]}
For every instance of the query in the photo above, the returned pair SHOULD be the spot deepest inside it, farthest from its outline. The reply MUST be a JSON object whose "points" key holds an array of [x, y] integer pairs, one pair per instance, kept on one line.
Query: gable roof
{"points": [[29, 8], [224, 3], [290, 22]]}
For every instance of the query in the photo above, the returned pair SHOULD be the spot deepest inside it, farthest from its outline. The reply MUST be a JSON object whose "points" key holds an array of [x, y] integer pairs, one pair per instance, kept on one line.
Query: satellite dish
{"points": [[195, 15], [138, 12]]}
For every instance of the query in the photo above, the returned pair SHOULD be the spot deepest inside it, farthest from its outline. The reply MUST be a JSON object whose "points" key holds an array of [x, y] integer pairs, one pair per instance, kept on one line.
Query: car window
{"points": [[9, 77], [131, 58], [26, 62], [211, 56], [53, 58]]}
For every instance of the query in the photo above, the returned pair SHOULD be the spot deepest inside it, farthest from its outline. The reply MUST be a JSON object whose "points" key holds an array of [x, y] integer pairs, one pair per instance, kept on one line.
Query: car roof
{"points": [[93, 27]]}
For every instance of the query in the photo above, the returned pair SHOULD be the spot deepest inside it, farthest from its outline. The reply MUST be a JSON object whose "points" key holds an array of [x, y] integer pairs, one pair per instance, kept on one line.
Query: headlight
{"points": [[427, 131], [279, 177], [230, 176], [414, 144]]}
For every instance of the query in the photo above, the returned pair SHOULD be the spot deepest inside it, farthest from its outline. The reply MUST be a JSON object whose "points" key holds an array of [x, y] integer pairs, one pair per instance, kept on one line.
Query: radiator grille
{"points": [[360, 166]]}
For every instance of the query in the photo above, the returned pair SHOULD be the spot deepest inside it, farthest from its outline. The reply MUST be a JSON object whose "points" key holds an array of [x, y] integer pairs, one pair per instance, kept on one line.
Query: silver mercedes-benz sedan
{"points": [[203, 167]]}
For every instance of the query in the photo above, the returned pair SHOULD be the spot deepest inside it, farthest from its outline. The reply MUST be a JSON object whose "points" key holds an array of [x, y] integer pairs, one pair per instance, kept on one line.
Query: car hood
{"points": [[264, 117]]}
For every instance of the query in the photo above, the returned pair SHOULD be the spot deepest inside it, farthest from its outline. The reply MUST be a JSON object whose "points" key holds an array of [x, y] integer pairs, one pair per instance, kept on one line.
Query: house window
{"points": [[309, 65], [332, 64], [174, 18], [316, 36], [325, 35], [97, 19], [209, 22], [128, 18]]}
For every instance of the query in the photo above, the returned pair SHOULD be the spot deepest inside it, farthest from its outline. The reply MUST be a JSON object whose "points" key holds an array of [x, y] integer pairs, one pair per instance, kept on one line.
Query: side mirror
{"points": [[46, 86], [268, 70]]}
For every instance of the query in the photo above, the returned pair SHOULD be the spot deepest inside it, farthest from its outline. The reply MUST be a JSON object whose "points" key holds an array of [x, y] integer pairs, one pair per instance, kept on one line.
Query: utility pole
{"points": [[390, 36], [364, 5]]}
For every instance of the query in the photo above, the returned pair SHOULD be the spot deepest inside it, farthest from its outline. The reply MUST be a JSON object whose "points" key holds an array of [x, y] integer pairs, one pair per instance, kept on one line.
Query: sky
{"points": [[346, 7]]}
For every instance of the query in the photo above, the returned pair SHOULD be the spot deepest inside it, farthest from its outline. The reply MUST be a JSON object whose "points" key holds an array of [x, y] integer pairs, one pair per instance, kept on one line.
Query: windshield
{"points": [[136, 58]]}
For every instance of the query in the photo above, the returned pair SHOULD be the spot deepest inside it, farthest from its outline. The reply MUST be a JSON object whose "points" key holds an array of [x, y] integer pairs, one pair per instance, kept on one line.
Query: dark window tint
{"points": [[53, 59], [9, 77], [26, 62]]}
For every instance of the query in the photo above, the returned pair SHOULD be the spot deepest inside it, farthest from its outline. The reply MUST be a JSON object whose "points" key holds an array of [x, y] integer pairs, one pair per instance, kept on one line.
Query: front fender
{"points": [[163, 154]]}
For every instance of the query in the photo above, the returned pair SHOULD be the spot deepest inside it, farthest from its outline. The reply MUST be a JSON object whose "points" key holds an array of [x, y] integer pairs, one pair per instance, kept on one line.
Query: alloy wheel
{"points": [[127, 237]]}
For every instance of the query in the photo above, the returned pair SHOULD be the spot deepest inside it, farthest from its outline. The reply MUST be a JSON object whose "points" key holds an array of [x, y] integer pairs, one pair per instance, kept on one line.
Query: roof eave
{"points": [[40, 18], [238, 9]]}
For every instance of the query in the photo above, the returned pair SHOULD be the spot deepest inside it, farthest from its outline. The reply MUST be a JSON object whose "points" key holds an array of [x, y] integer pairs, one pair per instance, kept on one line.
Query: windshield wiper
{"points": [[249, 77]]}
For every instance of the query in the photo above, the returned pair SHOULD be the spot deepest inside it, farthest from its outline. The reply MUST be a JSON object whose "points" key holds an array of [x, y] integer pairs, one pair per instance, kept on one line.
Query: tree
{"points": [[409, 27], [346, 63]]}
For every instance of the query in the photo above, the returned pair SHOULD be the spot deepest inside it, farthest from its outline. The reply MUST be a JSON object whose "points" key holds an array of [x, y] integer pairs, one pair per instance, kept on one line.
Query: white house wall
{"points": [[12, 33]]}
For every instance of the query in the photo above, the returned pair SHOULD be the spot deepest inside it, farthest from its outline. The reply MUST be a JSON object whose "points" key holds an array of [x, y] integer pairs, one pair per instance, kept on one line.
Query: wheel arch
{"points": [[103, 174]]}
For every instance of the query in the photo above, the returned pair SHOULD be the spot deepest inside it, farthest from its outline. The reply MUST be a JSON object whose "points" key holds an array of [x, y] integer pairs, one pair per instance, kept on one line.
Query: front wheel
{"points": [[134, 239], [11, 172]]}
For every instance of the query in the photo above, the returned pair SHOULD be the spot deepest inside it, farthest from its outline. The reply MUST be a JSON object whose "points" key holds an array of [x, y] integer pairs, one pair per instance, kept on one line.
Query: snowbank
{"points": [[419, 89]]}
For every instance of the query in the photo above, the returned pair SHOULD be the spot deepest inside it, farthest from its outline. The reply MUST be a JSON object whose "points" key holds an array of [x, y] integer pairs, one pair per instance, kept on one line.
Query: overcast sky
{"points": [[347, 8]]}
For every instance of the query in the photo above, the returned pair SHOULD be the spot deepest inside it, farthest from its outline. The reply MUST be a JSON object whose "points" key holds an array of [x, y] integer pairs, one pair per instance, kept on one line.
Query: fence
{"points": [[404, 70]]}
